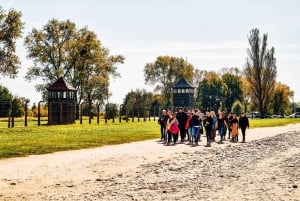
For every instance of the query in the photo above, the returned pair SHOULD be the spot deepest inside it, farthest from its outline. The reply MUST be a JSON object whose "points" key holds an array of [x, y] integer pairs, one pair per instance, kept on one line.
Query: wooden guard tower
{"points": [[62, 100], [183, 94]]}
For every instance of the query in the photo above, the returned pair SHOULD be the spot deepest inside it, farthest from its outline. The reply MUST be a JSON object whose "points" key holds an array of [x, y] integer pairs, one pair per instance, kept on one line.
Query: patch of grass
{"points": [[256, 123], [23, 141], [33, 139]]}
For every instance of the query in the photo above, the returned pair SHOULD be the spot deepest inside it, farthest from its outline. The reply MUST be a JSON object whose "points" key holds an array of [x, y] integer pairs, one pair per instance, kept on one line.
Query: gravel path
{"points": [[267, 167]]}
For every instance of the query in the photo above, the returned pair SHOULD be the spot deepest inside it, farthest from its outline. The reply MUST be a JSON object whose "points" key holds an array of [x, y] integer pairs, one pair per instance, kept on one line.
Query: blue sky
{"points": [[210, 34]]}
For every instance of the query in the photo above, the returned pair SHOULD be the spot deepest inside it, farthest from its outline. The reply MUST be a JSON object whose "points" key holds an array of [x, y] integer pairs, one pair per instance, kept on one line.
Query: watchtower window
{"points": [[191, 91], [71, 95]]}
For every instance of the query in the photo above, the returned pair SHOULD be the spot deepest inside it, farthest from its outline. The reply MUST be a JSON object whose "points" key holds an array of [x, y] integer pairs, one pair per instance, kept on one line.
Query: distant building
{"points": [[62, 100], [183, 94]]}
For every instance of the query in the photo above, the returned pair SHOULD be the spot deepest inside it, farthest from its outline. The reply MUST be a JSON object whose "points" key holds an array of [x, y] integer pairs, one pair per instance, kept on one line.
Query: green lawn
{"points": [[33, 139]]}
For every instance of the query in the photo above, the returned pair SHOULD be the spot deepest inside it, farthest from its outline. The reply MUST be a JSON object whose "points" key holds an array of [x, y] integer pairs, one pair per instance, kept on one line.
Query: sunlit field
{"points": [[34, 139]]}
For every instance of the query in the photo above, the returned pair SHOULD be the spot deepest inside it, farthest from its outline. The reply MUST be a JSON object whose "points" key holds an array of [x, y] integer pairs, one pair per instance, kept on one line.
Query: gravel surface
{"points": [[264, 168]]}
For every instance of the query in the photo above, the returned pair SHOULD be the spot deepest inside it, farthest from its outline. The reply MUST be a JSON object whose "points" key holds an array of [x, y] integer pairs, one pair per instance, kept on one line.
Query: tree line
{"points": [[61, 49], [253, 88]]}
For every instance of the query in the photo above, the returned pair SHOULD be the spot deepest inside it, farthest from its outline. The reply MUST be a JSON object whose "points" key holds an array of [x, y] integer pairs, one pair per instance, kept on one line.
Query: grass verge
{"points": [[30, 140]]}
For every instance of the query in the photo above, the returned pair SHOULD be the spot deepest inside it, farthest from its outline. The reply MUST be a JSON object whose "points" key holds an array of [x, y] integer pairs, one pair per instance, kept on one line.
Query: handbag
{"points": [[174, 129]]}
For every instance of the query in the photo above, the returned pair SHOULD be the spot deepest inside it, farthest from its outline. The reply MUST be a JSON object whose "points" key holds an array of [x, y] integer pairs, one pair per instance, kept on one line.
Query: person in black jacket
{"points": [[222, 126], [196, 123], [208, 124], [243, 125], [230, 118], [182, 117], [163, 124]]}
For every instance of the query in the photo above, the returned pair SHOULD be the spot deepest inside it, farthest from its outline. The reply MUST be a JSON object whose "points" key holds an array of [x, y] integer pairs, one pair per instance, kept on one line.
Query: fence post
{"points": [[90, 110], [98, 113], [9, 114], [81, 113], [144, 113], [39, 113], [149, 113], [120, 113], [138, 114], [132, 115], [12, 114], [154, 112], [106, 113], [26, 102]]}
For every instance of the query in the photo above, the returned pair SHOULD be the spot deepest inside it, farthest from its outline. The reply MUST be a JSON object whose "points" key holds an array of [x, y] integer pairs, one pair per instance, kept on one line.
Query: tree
{"points": [[198, 76], [10, 105], [246, 95], [210, 91], [237, 107], [61, 50], [111, 111], [17, 107], [281, 102], [138, 103], [233, 88], [5, 101], [164, 72], [11, 29], [260, 71]]}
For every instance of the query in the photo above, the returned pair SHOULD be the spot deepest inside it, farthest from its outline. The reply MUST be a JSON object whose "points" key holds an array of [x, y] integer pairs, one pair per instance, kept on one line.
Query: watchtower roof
{"points": [[61, 85], [183, 83]]}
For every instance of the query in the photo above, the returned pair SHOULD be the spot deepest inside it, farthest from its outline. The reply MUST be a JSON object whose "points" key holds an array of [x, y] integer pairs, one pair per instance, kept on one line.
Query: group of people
{"points": [[188, 126]]}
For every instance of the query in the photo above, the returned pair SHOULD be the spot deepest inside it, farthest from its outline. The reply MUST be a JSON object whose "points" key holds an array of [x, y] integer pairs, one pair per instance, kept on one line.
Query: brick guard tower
{"points": [[62, 100], [183, 94]]}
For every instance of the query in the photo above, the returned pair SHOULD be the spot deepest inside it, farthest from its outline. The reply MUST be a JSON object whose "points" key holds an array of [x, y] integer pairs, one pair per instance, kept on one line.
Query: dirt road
{"points": [[267, 167]]}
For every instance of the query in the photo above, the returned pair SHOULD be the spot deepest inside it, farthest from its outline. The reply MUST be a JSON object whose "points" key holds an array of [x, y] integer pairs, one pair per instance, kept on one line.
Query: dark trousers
{"points": [[208, 135], [163, 132], [229, 132], [244, 134], [213, 134], [182, 133], [175, 137]]}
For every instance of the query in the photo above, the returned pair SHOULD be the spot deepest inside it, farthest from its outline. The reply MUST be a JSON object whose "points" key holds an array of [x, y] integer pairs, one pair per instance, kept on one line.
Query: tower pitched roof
{"points": [[61, 85], [183, 83]]}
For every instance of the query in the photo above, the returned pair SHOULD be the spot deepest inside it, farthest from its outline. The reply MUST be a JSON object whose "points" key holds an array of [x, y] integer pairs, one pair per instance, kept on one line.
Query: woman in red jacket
{"points": [[172, 129]]}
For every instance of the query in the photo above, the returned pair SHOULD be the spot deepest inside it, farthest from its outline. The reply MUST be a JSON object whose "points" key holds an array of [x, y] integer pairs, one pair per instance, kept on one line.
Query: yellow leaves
{"points": [[284, 89], [11, 29]]}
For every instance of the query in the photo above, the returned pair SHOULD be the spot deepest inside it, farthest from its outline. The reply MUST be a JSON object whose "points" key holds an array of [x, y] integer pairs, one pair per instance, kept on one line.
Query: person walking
{"points": [[222, 126], [227, 125], [162, 121], [243, 124], [230, 117], [213, 132], [196, 125], [208, 123], [188, 126], [234, 128], [182, 117], [172, 129]]}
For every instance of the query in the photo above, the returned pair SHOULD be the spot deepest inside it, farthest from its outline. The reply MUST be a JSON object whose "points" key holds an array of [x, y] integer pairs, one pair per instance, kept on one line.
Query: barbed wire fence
{"points": [[62, 113]]}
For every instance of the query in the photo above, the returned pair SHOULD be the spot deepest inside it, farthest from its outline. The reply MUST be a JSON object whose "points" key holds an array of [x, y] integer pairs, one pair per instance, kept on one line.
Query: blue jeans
{"points": [[222, 130], [190, 134], [195, 132]]}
